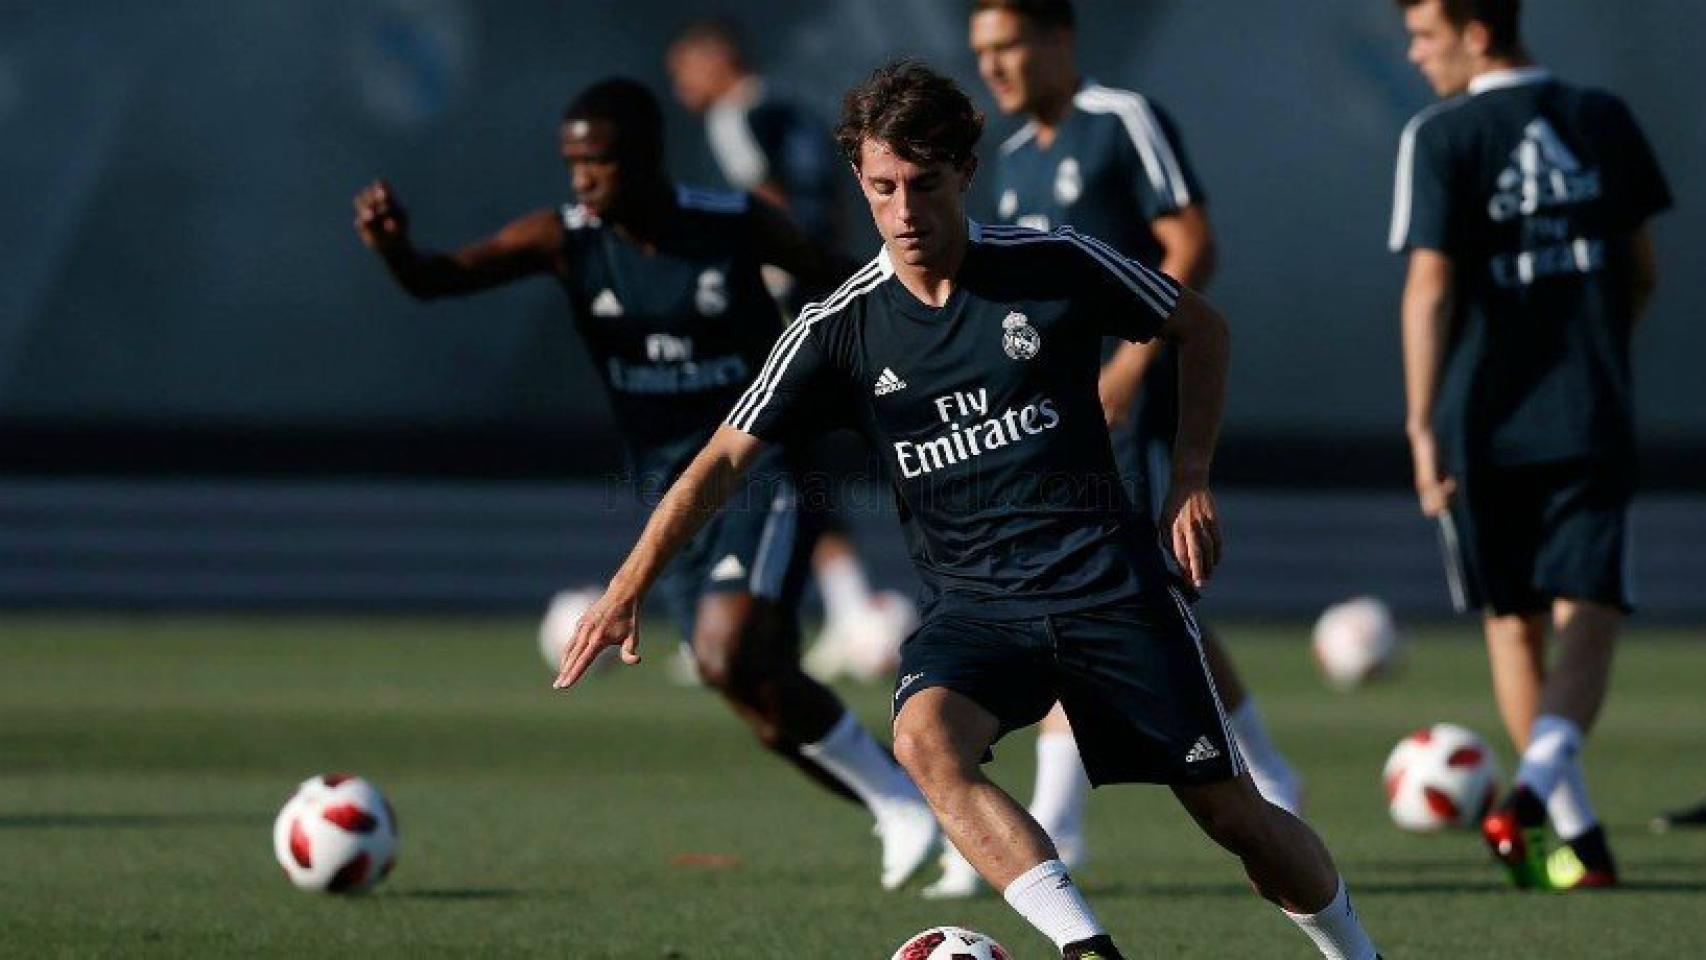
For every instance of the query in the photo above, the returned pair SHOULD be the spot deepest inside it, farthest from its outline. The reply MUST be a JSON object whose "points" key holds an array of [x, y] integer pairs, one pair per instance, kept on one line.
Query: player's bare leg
{"points": [[745, 650], [1285, 861], [1516, 652], [1551, 773], [1059, 795], [1061, 791], [940, 737]]}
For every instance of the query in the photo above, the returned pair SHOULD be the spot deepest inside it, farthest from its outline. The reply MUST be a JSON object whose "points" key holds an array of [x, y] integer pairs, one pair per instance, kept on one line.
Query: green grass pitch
{"points": [[142, 760]]}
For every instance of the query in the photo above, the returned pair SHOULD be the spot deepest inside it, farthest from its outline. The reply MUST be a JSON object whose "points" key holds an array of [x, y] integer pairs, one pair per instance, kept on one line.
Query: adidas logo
{"points": [[606, 304], [728, 568], [889, 383], [1202, 750]]}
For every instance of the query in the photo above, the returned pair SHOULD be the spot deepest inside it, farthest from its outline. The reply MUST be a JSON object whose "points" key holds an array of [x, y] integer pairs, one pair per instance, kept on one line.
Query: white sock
{"points": [[1057, 800], [851, 756], [1336, 930], [1263, 758], [1048, 900], [1571, 812], [1553, 743], [842, 583]]}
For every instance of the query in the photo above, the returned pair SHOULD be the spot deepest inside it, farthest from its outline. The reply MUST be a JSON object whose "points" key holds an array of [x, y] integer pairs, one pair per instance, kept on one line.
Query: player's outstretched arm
{"points": [[691, 501], [525, 246], [1426, 321], [781, 243], [1190, 519]]}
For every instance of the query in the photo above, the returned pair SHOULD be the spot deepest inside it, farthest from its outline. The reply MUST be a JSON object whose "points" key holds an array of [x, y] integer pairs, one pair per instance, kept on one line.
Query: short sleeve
{"points": [[1163, 181], [779, 403], [1421, 193], [1640, 189], [1128, 299]]}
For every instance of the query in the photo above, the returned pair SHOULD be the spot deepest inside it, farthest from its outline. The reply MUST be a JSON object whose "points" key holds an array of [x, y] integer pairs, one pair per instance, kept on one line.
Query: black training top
{"points": [[1533, 188], [985, 415], [677, 333], [1116, 164]]}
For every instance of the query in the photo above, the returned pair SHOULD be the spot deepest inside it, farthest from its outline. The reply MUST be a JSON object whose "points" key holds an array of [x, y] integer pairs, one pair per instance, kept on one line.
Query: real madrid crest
{"points": [[1019, 338], [1068, 182], [712, 296]]}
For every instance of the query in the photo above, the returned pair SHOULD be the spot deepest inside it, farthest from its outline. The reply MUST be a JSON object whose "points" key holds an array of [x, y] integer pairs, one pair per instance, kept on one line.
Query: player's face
{"points": [[589, 151], [918, 210], [1438, 49], [1018, 62], [695, 72]]}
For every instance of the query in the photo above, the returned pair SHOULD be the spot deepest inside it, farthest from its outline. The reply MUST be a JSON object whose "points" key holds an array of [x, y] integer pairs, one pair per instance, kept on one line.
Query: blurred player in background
{"points": [[968, 355], [780, 151], [1107, 162], [1522, 203], [664, 286]]}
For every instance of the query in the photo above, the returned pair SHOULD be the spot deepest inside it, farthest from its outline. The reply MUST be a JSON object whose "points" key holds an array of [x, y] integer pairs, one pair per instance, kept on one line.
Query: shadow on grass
{"points": [[457, 893], [126, 821], [1183, 891]]}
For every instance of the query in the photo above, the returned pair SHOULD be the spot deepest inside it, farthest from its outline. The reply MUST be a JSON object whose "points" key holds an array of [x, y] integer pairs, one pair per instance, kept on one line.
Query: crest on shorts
{"points": [[1019, 338]]}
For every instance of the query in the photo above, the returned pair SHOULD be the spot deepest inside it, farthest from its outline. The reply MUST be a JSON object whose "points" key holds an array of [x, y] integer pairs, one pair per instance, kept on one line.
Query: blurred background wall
{"points": [[184, 297]]}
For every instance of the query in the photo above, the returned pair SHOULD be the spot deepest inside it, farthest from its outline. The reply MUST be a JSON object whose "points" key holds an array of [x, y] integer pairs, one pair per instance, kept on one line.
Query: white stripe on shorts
{"points": [[1237, 757]]}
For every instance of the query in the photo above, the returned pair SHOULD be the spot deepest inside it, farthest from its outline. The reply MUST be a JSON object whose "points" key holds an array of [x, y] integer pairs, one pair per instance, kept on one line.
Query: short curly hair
{"points": [[922, 115]]}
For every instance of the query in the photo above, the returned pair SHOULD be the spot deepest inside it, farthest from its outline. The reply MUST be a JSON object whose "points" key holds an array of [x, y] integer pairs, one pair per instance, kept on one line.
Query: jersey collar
{"points": [[1515, 77]]}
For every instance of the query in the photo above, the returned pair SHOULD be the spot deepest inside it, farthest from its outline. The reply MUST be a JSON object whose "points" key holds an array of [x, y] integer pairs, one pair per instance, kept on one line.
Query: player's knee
{"points": [[927, 757], [1234, 818], [716, 655]]}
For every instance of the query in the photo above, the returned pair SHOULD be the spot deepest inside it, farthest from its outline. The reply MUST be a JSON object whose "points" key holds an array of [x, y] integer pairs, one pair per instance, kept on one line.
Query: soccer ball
{"points": [[950, 943], [558, 627], [337, 834], [1440, 776], [1355, 642]]}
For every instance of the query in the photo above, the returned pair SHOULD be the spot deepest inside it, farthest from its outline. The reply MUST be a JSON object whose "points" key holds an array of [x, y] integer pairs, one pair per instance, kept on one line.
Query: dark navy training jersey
{"points": [[1533, 188], [1116, 164], [676, 334], [985, 415], [757, 138]]}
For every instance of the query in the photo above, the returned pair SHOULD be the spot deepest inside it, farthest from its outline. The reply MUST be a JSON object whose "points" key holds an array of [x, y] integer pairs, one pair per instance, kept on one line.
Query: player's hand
{"points": [[1434, 489], [1118, 393], [1191, 526], [612, 621], [380, 219]]}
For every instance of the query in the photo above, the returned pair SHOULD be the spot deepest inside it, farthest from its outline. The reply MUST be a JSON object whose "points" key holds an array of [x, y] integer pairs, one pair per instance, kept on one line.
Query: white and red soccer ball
{"points": [[337, 834], [1355, 642], [950, 943], [1440, 776]]}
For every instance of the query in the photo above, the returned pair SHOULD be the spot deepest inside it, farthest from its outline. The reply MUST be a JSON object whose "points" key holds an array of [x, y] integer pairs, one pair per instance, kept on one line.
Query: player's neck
{"points": [[642, 217], [1516, 60], [932, 281], [1050, 111]]}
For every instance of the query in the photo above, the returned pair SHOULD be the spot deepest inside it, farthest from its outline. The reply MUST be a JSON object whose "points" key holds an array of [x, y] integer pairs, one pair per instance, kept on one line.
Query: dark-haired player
{"points": [[1522, 203], [775, 147], [1110, 163], [664, 285], [968, 356]]}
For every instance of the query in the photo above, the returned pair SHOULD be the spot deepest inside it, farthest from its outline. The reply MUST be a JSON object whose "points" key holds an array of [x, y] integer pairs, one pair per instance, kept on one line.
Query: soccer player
{"points": [[1522, 203], [780, 151], [968, 355], [1107, 162], [664, 287]]}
